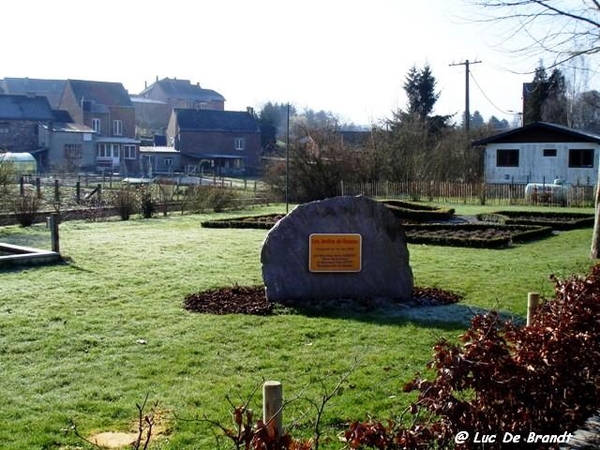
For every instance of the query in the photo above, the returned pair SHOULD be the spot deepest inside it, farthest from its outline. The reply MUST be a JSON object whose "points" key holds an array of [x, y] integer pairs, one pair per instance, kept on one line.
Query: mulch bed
{"points": [[251, 300]]}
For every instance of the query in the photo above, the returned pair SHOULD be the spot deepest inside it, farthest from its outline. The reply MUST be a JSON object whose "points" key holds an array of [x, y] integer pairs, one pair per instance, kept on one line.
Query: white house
{"points": [[540, 153]]}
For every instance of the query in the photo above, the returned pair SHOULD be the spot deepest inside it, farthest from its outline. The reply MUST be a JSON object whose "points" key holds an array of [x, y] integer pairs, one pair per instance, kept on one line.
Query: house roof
{"points": [[52, 89], [212, 120], [539, 132], [183, 89], [101, 92], [25, 107]]}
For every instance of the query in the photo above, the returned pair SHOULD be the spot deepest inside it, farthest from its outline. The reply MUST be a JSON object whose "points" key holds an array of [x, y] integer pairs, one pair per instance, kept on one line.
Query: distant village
{"points": [[172, 126]]}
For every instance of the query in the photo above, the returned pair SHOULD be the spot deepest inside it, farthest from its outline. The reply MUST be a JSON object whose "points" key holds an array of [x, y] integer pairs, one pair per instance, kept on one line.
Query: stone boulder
{"points": [[384, 271]]}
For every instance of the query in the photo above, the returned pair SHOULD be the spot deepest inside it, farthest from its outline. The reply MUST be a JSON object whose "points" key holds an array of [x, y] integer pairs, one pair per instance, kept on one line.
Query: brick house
{"points": [[106, 108], [223, 142], [154, 104], [20, 117]]}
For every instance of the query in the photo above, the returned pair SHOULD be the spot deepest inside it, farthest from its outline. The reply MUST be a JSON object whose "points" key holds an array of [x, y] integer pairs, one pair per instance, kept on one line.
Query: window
{"points": [[507, 158], [168, 161], [239, 144], [96, 124], [73, 151], [4, 128], [579, 158], [549, 152], [117, 127], [108, 151], [129, 151]]}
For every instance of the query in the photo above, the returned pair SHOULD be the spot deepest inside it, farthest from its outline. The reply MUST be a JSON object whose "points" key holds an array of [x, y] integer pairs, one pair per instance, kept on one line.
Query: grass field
{"points": [[85, 341]]}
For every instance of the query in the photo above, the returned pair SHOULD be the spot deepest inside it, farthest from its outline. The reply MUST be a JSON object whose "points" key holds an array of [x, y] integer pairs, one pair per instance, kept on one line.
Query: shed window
{"points": [[507, 158], [549, 152], [4, 128], [581, 158]]}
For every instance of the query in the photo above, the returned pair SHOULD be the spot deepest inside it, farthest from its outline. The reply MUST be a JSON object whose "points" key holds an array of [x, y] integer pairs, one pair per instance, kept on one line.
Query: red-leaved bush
{"points": [[501, 377]]}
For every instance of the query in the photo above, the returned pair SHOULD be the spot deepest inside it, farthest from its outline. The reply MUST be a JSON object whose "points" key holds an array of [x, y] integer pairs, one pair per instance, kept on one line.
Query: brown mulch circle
{"points": [[251, 300]]}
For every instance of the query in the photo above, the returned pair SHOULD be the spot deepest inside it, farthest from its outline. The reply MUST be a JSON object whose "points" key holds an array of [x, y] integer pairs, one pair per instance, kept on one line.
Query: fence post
{"points": [[273, 405], [533, 301], [38, 187], [56, 191], [78, 192], [53, 224], [22, 186]]}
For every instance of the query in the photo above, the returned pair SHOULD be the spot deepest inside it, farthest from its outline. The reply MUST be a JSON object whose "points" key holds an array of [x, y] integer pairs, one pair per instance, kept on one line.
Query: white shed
{"points": [[540, 153]]}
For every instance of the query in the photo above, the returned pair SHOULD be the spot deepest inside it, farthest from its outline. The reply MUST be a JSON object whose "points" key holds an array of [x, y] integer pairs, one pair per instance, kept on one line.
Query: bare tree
{"points": [[561, 28]]}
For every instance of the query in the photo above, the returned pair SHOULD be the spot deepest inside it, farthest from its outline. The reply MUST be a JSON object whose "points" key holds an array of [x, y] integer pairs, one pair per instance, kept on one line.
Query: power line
{"points": [[487, 98]]}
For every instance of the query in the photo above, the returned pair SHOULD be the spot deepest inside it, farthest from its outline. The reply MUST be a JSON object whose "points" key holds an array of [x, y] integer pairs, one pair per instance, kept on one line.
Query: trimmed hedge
{"points": [[446, 234], [262, 222], [556, 220], [416, 212]]}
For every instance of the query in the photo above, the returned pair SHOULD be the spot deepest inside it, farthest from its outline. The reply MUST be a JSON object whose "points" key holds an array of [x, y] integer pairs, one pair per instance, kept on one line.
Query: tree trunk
{"points": [[595, 252]]}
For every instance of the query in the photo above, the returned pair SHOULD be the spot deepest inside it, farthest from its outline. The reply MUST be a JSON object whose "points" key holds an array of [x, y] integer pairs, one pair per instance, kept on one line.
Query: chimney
{"points": [[145, 84], [157, 78]]}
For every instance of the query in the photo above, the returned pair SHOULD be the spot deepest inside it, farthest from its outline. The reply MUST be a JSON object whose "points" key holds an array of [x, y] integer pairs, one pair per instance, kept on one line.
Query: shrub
{"points": [[125, 202], [501, 378], [26, 208], [201, 198]]}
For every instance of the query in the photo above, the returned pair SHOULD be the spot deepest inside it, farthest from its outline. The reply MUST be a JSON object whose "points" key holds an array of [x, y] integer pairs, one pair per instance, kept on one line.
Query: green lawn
{"points": [[70, 334]]}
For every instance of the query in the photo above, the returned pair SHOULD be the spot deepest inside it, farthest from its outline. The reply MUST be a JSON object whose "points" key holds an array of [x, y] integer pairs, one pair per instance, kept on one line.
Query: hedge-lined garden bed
{"points": [[556, 220], [477, 235]]}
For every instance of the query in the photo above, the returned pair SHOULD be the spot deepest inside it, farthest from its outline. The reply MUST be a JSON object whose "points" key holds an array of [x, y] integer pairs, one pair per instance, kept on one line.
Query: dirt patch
{"points": [[123, 439], [252, 300]]}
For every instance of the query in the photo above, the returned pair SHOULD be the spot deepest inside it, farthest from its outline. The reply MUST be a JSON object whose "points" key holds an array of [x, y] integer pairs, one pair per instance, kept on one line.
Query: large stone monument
{"points": [[342, 247]]}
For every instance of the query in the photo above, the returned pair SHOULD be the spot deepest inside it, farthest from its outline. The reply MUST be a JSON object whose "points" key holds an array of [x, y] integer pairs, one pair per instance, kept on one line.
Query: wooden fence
{"points": [[468, 193]]}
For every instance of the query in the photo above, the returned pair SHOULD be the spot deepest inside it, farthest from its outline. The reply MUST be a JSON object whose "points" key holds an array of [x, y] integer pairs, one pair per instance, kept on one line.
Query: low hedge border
{"points": [[262, 222], [417, 212], [555, 220], [518, 233]]}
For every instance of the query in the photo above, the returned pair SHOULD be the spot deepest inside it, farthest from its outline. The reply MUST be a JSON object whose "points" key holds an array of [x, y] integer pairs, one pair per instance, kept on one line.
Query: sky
{"points": [[347, 57]]}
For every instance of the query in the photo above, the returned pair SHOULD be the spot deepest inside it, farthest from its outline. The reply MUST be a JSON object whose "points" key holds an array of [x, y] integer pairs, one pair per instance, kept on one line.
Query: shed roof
{"points": [[539, 132]]}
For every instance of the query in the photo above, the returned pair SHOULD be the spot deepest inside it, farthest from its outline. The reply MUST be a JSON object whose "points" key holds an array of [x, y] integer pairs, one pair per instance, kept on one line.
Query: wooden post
{"points": [[22, 186], [53, 224], [56, 191], [533, 301], [273, 405], [78, 192], [38, 187]]}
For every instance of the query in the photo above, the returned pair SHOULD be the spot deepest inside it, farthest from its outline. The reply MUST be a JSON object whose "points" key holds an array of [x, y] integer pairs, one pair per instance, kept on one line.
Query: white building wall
{"points": [[534, 167]]}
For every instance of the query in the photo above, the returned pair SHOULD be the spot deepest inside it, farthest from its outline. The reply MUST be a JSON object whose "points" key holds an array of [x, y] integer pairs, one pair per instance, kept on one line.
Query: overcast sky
{"points": [[349, 57]]}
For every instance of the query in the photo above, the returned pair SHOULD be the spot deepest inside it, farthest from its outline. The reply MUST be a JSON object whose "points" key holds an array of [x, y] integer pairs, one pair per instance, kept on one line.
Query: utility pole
{"points": [[467, 112]]}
